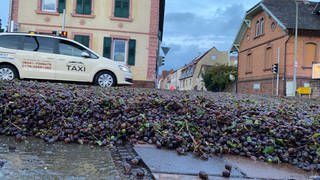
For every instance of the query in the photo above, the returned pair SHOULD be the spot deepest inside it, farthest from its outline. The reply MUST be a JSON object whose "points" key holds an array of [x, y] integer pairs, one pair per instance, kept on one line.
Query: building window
{"points": [[121, 50], [122, 8], [49, 5], [273, 26], [257, 28], [310, 54], [84, 7], [268, 58], [260, 27], [83, 39], [249, 64]]}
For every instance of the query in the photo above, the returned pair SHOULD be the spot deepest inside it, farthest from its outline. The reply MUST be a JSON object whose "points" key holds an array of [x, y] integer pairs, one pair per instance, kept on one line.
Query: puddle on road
{"points": [[259, 169], [35, 159]]}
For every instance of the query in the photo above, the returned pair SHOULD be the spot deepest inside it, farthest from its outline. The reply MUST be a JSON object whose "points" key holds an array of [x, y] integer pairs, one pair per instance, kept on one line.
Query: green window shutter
{"points": [[61, 6], [121, 8], [132, 52], [125, 8], [85, 40], [87, 7], [107, 47], [79, 7], [78, 38]]}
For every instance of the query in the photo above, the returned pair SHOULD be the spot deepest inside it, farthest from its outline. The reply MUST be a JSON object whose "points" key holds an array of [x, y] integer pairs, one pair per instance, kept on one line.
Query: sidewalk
{"points": [[166, 164]]}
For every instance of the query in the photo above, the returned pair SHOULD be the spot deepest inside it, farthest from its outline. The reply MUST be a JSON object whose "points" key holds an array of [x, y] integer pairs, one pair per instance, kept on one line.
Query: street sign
{"points": [[165, 50], [304, 90]]}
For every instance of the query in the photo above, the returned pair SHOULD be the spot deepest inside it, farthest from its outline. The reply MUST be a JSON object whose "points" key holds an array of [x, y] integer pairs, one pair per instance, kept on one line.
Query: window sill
{"points": [[248, 72], [306, 67], [121, 19], [83, 15], [267, 69], [260, 35], [47, 13]]}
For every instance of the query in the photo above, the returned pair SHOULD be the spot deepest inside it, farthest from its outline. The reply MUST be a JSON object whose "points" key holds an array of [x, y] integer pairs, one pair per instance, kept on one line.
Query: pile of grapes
{"points": [[265, 128]]}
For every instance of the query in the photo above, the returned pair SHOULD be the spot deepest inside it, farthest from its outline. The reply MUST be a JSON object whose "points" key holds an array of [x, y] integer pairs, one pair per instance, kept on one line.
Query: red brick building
{"points": [[266, 35]]}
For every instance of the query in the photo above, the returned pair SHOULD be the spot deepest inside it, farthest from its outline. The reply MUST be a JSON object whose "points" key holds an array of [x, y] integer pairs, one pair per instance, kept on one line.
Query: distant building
{"points": [[233, 61], [267, 33], [128, 31], [189, 77], [164, 79]]}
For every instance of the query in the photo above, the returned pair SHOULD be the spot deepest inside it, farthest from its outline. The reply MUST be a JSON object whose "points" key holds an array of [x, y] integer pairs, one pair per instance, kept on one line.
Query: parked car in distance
{"points": [[45, 57]]}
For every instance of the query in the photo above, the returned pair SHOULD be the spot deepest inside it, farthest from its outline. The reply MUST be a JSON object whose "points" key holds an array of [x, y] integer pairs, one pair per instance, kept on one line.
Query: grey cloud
{"points": [[196, 26], [220, 22]]}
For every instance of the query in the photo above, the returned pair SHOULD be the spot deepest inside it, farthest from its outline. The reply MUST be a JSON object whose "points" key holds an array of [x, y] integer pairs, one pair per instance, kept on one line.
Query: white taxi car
{"points": [[35, 56]]}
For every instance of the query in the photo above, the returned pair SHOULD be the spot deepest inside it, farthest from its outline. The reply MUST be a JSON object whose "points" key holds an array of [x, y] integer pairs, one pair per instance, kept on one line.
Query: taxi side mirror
{"points": [[85, 54]]}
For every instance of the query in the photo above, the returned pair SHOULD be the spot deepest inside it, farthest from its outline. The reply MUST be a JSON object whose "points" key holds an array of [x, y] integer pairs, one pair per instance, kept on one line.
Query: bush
{"points": [[217, 78]]}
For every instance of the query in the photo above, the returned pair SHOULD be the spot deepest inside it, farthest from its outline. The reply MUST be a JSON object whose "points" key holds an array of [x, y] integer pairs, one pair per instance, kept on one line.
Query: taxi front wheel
{"points": [[105, 79], [8, 73]]}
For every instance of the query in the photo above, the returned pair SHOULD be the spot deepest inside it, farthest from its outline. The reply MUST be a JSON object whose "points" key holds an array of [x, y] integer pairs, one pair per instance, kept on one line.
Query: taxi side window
{"points": [[10, 41], [39, 44], [70, 49]]}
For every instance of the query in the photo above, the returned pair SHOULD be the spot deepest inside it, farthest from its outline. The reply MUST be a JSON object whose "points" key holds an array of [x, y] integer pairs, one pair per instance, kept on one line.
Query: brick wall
{"points": [[266, 87], [143, 84], [153, 39], [15, 8]]}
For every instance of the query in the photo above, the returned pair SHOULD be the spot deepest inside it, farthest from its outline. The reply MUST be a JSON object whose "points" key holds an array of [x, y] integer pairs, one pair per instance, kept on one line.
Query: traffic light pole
{"points": [[277, 90]]}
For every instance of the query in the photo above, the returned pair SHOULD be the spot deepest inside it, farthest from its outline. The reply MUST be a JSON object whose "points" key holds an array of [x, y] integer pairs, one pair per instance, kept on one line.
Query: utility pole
{"points": [[277, 91], [295, 50]]}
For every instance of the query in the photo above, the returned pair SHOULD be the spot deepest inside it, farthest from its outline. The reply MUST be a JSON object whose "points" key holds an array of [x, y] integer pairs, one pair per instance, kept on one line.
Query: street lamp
{"points": [[295, 50]]}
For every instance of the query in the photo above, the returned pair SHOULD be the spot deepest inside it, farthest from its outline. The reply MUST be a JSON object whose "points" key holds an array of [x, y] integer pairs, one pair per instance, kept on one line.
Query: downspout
{"points": [[237, 73], [285, 68]]}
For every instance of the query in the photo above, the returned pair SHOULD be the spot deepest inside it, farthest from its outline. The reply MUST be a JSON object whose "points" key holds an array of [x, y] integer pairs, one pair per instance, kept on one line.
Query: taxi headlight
{"points": [[124, 68]]}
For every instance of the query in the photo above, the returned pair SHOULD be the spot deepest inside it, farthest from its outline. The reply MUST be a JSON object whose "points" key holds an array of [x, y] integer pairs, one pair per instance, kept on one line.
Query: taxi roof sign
{"points": [[32, 32]]}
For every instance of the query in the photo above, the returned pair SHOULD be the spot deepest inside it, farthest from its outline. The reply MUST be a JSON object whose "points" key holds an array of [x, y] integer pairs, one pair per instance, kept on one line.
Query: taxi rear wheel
{"points": [[105, 79], [8, 73]]}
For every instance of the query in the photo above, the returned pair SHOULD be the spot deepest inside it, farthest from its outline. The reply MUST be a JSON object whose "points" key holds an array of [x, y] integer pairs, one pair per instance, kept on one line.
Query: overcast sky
{"points": [[192, 26]]}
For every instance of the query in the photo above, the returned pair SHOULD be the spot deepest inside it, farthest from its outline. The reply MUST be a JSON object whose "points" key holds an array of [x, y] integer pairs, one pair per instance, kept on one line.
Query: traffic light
{"points": [[275, 68], [63, 34], [161, 60], [1, 30]]}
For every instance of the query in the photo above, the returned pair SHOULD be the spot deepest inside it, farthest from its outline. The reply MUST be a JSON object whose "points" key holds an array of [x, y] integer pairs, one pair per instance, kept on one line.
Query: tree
{"points": [[217, 78]]}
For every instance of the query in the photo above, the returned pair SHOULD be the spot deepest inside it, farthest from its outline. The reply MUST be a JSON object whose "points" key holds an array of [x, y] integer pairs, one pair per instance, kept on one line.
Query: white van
{"points": [[35, 56]]}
